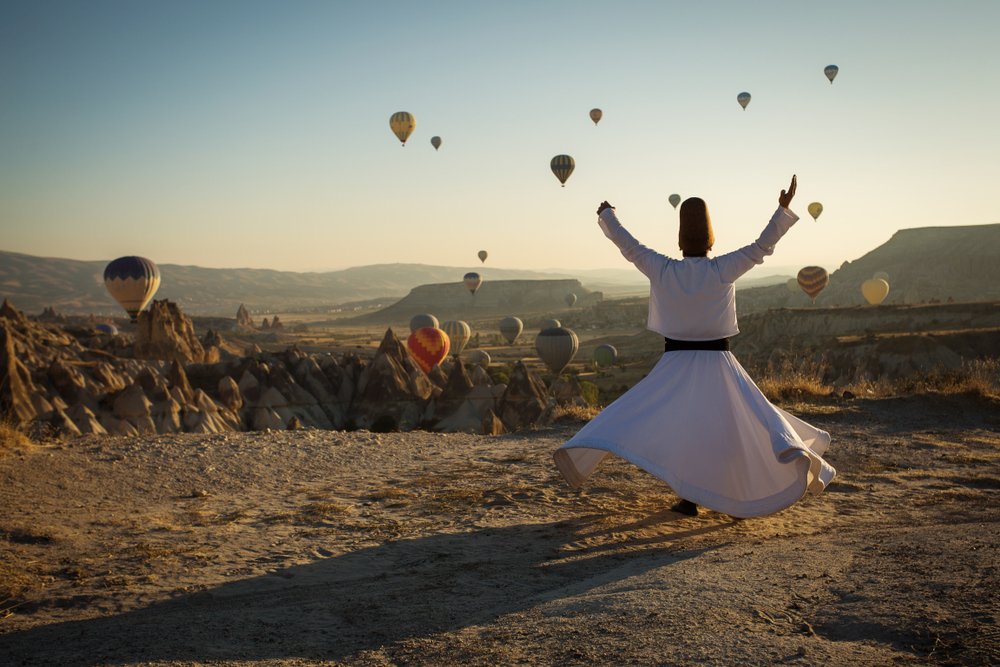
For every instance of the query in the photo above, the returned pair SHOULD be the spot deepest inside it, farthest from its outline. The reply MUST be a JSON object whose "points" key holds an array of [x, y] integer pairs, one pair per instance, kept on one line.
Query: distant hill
{"points": [[76, 287], [925, 265]]}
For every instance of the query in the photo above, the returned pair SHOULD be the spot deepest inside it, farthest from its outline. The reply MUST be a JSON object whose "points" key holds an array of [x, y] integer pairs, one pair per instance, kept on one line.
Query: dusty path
{"points": [[419, 548]]}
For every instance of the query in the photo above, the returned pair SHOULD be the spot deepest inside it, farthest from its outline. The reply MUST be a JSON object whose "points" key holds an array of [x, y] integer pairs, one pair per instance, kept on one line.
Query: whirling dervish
{"points": [[697, 421]]}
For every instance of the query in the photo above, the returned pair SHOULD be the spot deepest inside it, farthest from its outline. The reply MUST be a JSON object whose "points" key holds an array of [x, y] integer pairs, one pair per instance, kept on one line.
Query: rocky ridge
{"points": [[82, 381]]}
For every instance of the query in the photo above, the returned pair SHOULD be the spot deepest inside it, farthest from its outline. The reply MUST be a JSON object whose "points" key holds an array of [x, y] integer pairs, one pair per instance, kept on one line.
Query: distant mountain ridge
{"points": [[924, 264], [75, 286]]}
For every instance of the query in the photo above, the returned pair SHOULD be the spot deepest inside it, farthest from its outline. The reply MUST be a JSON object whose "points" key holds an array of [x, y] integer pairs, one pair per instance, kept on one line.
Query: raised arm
{"points": [[645, 259], [734, 264]]}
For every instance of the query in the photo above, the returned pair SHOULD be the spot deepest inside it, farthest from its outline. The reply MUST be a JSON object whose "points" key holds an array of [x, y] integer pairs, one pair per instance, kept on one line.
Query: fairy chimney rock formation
{"points": [[243, 319], [164, 332]]}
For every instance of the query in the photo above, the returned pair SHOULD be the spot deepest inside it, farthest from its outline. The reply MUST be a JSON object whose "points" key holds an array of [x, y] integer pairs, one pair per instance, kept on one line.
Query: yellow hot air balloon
{"points": [[743, 99], [132, 281], [674, 200], [875, 290], [402, 123], [812, 280], [562, 166], [595, 115], [459, 334], [831, 72], [815, 209], [436, 142]]}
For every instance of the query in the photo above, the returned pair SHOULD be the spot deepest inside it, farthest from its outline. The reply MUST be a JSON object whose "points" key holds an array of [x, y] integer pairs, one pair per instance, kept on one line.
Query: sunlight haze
{"points": [[255, 134]]}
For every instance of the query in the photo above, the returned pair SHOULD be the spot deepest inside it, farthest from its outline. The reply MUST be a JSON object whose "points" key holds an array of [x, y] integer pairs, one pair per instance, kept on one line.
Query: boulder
{"points": [[166, 415], [132, 406], [492, 425], [86, 421], [62, 424], [178, 379], [229, 394]]}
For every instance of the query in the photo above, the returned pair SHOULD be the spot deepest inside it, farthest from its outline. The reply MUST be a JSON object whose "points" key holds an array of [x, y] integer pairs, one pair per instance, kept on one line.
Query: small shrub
{"points": [[13, 438], [589, 391]]}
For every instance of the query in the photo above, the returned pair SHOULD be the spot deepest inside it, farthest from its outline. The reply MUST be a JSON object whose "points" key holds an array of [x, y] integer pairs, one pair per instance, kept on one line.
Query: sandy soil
{"points": [[375, 549]]}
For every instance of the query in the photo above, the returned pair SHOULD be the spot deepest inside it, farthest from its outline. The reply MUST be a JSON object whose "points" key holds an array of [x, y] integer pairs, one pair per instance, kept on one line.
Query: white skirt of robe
{"points": [[699, 423]]}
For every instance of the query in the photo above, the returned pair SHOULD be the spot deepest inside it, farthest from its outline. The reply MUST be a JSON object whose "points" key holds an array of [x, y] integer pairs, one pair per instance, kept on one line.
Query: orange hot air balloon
{"points": [[428, 346], [812, 280]]}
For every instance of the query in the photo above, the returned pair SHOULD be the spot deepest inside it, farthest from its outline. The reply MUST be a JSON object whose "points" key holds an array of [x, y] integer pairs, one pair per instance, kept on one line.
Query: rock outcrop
{"points": [[243, 319], [164, 332]]}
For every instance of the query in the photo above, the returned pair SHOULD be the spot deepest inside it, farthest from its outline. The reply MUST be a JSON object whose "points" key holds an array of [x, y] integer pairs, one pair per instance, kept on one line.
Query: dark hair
{"points": [[695, 235]]}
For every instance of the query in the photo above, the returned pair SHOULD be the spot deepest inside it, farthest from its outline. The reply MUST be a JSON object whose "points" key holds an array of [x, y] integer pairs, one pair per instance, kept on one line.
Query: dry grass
{"points": [[791, 382], [574, 413], [980, 377], [13, 439], [16, 582]]}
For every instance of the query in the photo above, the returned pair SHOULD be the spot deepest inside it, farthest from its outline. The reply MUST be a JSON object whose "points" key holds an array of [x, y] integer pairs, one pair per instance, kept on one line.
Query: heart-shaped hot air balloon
{"points": [[812, 280], [875, 290], [815, 210], [428, 346]]}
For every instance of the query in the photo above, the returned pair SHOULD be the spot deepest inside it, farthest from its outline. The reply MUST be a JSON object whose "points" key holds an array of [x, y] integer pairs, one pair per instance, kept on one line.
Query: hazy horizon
{"points": [[255, 135]]}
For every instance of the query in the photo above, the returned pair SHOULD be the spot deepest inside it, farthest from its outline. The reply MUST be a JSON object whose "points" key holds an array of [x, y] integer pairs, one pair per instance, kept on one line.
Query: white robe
{"points": [[697, 421]]}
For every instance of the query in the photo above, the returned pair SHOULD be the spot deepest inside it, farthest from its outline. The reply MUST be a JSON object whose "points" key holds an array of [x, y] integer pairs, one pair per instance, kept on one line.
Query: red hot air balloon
{"points": [[428, 346]]}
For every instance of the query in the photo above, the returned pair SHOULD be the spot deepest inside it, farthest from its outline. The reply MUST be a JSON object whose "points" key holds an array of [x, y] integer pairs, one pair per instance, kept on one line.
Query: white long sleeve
{"points": [[694, 298]]}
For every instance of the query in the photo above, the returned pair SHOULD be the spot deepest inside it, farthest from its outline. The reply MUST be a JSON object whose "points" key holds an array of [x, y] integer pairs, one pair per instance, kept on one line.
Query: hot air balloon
{"points": [[792, 285], [549, 324], [562, 166], [815, 209], [881, 274], [423, 320], [674, 200], [480, 358], [483, 255], [402, 124], [428, 346], [109, 329], [510, 328], [875, 290], [459, 334], [605, 355], [812, 280], [570, 299], [595, 115], [831, 72], [743, 99], [472, 281], [556, 347], [132, 282], [436, 142]]}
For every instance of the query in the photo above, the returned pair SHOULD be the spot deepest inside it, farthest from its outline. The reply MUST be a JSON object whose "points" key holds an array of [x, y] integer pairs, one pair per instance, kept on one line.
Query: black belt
{"points": [[718, 345]]}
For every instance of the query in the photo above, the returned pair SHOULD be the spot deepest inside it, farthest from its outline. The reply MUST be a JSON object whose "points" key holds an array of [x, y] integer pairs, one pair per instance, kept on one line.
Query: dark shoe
{"points": [[685, 507]]}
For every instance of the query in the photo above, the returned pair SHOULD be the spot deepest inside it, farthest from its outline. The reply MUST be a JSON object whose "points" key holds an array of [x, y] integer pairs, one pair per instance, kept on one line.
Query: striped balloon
{"points": [[428, 346], [402, 124], [510, 328], [132, 282], [459, 334], [605, 355], [812, 280], [472, 281], [562, 166], [423, 320], [556, 347]]}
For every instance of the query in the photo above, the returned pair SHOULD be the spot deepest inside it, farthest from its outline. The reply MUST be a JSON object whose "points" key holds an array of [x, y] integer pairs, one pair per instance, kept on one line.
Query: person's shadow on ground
{"points": [[332, 609]]}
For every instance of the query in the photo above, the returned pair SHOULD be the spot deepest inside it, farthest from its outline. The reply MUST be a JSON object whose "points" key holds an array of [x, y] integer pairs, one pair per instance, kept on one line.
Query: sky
{"points": [[256, 134]]}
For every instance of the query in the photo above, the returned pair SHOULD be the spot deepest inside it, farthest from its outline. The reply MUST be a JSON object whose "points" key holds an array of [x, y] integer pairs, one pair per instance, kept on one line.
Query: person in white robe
{"points": [[697, 420]]}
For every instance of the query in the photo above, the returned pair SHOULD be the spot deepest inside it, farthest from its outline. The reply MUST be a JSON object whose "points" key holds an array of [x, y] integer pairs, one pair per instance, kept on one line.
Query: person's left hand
{"points": [[785, 198], [604, 205]]}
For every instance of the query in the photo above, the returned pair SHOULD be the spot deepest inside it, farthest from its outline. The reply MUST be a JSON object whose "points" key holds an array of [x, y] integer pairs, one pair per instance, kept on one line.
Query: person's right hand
{"points": [[604, 205], [785, 198]]}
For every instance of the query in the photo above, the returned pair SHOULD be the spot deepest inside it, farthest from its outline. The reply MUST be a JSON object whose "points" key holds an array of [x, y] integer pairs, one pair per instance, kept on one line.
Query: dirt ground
{"points": [[301, 548]]}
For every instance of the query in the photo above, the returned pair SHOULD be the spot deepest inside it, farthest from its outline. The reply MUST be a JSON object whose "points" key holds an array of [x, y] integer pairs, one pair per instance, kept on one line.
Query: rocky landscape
{"points": [[77, 380]]}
